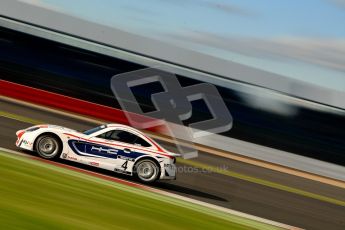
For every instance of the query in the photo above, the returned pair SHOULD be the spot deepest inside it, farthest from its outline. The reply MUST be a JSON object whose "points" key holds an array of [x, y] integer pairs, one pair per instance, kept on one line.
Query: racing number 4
{"points": [[124, 165]]}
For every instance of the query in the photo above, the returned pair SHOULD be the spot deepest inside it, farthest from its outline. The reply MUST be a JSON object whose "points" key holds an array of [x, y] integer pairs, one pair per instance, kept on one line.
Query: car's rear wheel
{"points": [[48, 146], [146, 170]]}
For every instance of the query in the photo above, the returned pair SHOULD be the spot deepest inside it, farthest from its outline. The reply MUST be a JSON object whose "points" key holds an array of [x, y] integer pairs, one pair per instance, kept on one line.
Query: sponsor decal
{"points": [[72, 158], [64, 155], [87, 149], [27, 142], [94, 163], [126, 158], [122, 171], [103, 150]]}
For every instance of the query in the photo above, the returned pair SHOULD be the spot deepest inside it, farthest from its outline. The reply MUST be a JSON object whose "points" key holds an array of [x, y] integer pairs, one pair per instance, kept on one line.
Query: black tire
{"points": [[146, 170], [48, 146]]}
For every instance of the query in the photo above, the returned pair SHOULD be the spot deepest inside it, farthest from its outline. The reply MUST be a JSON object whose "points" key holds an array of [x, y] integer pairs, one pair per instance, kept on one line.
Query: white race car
{"points": [[114, 147]]}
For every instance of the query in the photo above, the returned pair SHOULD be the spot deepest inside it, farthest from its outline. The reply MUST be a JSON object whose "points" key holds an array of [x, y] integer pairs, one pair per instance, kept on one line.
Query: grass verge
{"points": [[36, 195]]}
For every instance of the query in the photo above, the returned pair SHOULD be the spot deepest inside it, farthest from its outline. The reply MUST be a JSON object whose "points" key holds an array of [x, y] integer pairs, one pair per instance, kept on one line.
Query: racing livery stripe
{"points": [[87, 149], [125, 146]]}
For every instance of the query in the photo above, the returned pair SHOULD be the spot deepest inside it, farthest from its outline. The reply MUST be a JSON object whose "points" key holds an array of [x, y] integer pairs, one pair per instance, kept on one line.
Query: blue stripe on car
{"points": [[97, 150]]}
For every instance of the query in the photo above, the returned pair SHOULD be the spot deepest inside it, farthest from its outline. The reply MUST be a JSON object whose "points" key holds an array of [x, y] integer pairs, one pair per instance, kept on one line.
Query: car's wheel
{"points": [[48, 146], [146, 170]]}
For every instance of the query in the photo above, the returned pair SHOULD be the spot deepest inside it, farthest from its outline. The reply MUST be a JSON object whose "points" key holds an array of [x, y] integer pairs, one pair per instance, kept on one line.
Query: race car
{"points": [[114, 147]]}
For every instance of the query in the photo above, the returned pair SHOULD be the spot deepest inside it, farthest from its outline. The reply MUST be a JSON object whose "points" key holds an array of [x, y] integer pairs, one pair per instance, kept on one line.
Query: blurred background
{"points": [[279, 66]]}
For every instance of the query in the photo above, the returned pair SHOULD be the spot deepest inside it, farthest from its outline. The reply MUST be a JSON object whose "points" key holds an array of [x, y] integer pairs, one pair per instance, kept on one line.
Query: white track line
{"points": [[194, 201]]}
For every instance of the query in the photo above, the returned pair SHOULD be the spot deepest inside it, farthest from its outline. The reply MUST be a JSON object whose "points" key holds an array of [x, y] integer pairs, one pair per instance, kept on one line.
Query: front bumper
{"points": [[24, 140]]}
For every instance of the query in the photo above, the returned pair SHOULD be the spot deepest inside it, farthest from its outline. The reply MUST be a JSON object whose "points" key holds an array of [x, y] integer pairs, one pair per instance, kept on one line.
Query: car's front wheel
{"points": [[146, 170], [48, 146]]}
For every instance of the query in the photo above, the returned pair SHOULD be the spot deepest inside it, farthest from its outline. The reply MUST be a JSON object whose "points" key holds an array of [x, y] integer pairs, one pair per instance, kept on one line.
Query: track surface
{"points": [[219, 189]]}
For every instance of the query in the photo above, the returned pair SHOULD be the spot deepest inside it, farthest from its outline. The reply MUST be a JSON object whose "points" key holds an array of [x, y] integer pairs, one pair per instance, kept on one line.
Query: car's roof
{"points": [[118, 125], [123, 126], [135, 131]]}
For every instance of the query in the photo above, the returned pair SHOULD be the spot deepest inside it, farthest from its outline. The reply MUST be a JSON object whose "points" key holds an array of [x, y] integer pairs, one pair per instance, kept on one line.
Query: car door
{"points": [[102, 146], [117, 147], [130, 147]]}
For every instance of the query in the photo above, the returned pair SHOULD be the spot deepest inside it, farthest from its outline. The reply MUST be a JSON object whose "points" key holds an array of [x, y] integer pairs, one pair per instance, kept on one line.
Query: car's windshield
{"points": [[93, 130]]}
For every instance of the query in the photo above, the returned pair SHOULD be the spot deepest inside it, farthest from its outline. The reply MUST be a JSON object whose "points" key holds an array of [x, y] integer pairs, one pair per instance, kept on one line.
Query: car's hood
{"points": [[55, 127], [49, 127], [62, 128]]}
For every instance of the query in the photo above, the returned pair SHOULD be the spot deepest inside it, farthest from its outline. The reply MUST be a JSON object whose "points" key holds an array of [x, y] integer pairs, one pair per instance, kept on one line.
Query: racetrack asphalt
{"points": [[216, 188]]}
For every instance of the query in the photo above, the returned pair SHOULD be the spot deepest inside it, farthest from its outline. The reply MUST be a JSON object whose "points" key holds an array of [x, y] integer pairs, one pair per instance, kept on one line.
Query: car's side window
{"points": [[141, 142], [124, 136], [105, 135]]}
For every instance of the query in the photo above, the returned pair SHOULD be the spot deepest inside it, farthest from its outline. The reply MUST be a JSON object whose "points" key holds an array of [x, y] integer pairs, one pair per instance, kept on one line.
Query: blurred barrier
{"points": [[260, 116], [55, 100], [59, 101]]}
